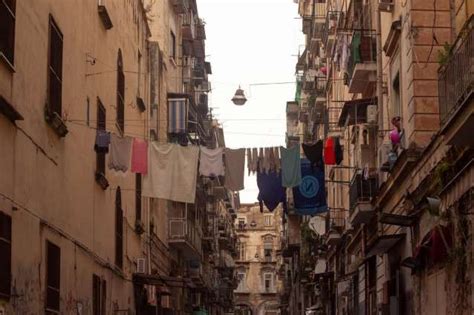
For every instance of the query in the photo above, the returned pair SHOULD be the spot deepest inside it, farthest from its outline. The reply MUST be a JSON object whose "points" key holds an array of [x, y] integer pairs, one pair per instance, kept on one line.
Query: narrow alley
{"points": [[236, 157]]}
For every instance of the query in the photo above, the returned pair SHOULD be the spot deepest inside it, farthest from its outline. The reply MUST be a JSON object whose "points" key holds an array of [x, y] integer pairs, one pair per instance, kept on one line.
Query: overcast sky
{"points": [[248, 42]]}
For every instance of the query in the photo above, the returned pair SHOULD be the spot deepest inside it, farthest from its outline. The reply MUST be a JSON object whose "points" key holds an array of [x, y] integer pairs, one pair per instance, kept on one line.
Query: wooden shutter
{"points": [[55, 67], [118, 229]]}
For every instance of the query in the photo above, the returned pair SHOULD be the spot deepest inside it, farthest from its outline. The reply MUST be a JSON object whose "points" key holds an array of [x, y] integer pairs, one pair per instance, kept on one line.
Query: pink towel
{"points": [[139, 156]]}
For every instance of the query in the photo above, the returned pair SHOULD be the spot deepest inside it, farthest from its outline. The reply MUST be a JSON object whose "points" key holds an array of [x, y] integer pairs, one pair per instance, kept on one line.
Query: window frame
{"points": [[53, 252], [120, 119], [55, 67], [102, 126], [267, 220], [8, 51], [271, 287], [173, 46], [118, 229], [99, 295], [5, 245]]}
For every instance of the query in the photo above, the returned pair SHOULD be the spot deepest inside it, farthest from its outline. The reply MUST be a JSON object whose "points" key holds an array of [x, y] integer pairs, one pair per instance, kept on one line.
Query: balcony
{"points": [[292, 109], [180, 6], [189, 27], [183, 232], [361, 192], [200, 30], [455, 87], [362, 69], [330, 27]]}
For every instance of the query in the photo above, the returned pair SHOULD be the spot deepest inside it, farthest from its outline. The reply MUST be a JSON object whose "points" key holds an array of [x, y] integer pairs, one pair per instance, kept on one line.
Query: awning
{"points": [[397, 219], [355, 111], [384, 243]]}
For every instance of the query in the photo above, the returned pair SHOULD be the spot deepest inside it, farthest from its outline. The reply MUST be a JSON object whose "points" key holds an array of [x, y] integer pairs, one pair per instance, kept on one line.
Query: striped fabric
{"points": [[177, 115]]}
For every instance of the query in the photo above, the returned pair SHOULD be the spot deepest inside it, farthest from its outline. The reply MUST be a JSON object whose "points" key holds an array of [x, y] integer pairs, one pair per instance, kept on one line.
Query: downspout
{"points": [[378, 39]]}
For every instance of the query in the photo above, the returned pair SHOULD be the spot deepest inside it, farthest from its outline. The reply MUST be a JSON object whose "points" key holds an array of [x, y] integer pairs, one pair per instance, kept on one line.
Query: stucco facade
{"points": [[48, 185], [258, 261]]}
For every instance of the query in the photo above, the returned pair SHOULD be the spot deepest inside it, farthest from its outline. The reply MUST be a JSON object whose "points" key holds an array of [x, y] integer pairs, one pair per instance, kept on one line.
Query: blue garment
{"points": [[310, 196], [271, 192], [290, 167], [102, 141]]}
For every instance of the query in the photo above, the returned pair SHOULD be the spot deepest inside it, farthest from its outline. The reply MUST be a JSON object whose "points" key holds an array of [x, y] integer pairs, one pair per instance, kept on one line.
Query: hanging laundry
{"points": [[260, 160], [338, 151], [314, 152], [120, 149], [271, 158], [276, 154], [329, 152], [102, 141], [177, 115], [310, 195], [211, 162], [266, 160], [291, 167], [249, 160], [139, 156], [252, 160], [234, 169], [271, 192], [172, 172]]}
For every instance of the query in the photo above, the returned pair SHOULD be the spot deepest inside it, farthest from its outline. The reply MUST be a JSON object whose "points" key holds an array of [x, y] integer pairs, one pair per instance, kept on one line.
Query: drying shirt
{"points": [[172, 172], [291, 167], [338, 151], [329, 152], [314, 153], [234, 169], [211, 162], [271, 192], [102, 141], [139, 156], [276, 154], [120, 149]]}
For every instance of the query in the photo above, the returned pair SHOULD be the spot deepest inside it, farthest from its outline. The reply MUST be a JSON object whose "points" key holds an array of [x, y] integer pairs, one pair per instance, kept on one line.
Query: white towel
{"points": [[211, 162], [172, 172]]}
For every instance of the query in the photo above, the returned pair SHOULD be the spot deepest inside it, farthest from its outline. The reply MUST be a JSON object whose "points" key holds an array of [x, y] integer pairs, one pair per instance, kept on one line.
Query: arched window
{"points": [[120, 93], [118, 229]]}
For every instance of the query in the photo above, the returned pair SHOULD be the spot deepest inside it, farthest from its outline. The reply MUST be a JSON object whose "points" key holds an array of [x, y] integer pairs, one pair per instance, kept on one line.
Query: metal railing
{"points": [[361, 190], [363, 50], [456, 77]]}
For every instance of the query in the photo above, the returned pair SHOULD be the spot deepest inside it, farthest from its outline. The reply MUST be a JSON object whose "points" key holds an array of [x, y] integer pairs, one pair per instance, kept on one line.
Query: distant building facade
{"points": [[258, 261]]}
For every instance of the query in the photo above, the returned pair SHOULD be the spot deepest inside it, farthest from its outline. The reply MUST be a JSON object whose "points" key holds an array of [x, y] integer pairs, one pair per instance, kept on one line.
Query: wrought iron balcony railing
{"points": [[456, 76]]}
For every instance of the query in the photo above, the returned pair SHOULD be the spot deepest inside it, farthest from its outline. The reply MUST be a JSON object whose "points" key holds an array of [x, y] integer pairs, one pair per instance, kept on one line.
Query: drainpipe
{"points": [[378, 40]]}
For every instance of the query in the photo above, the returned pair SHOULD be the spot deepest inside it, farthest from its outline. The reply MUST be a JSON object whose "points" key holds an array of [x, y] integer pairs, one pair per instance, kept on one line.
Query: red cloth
{"points": [[139, 156], [329, 152]]}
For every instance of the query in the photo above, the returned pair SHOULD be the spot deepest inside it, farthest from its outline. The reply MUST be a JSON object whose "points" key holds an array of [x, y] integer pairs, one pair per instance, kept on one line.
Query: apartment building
{"points": [[258, 261], [396, 238], [71, 228], [76, 236]]}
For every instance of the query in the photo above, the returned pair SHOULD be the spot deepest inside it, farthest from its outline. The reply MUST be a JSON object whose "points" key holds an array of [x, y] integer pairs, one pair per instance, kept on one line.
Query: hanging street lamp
{"points": [[239, 98]]}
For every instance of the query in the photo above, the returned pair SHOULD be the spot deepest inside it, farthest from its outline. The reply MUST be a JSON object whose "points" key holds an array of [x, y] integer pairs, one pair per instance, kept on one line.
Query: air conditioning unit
{"points": [[141, 265], [372, 114], [386, 5]]}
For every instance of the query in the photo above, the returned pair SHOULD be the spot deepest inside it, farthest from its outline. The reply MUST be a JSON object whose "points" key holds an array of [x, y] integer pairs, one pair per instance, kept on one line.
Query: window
{"points": [[241, 223], [118, 229], [173, 46], [7, 27], [101, 125], [242, 253], [53, 278], [120, 94], [267, 220], [396, 103], [99, 295], [5, 255], [139, 79], [138, 197], [55, 67], [268, 248], [268, 282], [242, 287]]}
